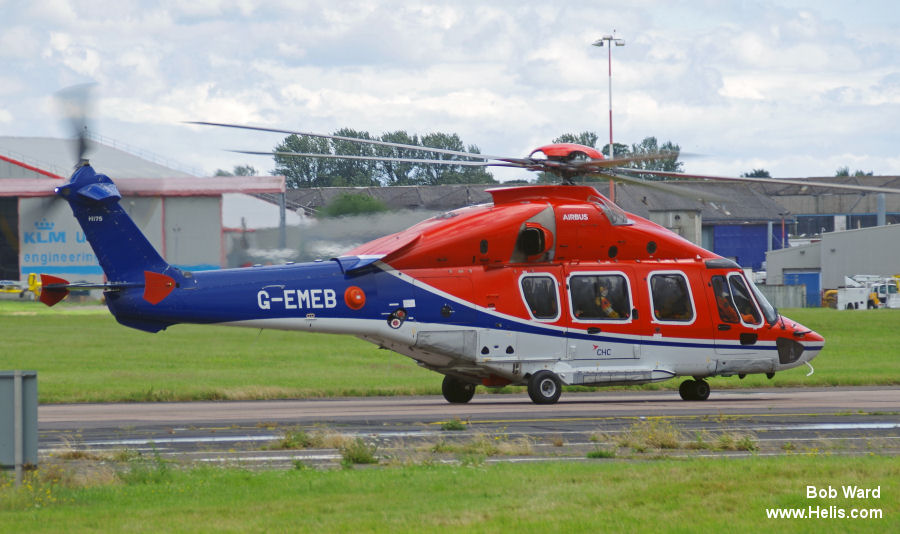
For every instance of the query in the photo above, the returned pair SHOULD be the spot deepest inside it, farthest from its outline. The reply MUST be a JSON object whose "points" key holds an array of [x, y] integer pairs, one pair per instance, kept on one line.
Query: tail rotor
{"points": [[75, 105]]}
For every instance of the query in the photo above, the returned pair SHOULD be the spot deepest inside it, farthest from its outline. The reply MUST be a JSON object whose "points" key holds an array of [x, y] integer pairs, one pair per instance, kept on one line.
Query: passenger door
{"points": [[673, 323], [542, 293], [601, 313], [736, 317]]}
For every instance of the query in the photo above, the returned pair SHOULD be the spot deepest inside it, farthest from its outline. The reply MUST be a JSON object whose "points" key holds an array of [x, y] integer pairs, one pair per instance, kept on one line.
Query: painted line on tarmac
{"points": [[638, 418], [151, 441]]}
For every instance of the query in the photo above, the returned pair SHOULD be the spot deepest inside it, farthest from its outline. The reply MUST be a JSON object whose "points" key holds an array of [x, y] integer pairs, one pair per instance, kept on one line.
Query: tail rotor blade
{"points": [[75, 107]]}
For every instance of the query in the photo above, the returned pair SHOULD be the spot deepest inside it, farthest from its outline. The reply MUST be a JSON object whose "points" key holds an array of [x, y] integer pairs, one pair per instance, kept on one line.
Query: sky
{"points": [[799, 88]]}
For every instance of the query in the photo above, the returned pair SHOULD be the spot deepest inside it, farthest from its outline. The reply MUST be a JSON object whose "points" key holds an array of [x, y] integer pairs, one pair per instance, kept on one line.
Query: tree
{"points": [[621, 151], [650, 146], [584, 138], [441, 174], [398, 173], [845, 171], [303, 172], [239, 170], [350, 172], [353, 204], [756, 173], [328, 172]]}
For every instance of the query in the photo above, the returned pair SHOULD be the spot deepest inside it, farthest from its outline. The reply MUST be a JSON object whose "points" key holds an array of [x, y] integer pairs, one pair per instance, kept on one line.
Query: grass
{"points": [[82, 355], [357, 451], [453, 425], [317, 439], [711, 495], [657, 434]]}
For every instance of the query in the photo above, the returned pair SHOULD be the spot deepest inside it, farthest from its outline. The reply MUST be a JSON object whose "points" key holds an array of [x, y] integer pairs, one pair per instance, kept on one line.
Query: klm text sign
{"points": [[51, 241]]}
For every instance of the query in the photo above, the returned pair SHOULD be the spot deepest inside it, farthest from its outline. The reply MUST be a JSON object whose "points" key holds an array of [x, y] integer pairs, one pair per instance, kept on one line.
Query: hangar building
{"points": [[179, 213], [824, 264]]}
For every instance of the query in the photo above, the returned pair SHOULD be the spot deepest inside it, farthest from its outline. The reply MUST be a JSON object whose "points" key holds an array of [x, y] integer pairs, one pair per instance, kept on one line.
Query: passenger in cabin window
{"points": [[743, 301], [599, 297], [602, 302], [671, 298], [727, 312]]}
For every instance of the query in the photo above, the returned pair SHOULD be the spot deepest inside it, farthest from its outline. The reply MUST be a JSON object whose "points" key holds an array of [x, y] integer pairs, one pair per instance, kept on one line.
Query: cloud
{"points": [[786, 87]]}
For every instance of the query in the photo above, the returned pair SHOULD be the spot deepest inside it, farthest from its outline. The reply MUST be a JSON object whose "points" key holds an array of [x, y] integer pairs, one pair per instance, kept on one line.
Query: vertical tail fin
{"points": [[122, 250]]}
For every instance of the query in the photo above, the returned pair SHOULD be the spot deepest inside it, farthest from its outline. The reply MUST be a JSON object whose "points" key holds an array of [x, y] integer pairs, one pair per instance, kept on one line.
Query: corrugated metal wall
{"points": [[193, 232], [9, 239], [745, 243]]}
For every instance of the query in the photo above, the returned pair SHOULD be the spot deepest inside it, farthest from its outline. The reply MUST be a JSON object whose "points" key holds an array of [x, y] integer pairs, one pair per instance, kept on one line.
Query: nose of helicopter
{"points": [[800, 344]]}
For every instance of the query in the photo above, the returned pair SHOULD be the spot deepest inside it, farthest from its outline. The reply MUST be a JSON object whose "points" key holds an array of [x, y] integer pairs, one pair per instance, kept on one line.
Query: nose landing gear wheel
{"points": [[544, 387], [456, 391], [694, 390]]}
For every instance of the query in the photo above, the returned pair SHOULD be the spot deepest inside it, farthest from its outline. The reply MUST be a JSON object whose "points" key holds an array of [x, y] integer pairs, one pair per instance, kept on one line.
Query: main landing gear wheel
{"points": [[544, 387], [456, 391], [694, 390]]}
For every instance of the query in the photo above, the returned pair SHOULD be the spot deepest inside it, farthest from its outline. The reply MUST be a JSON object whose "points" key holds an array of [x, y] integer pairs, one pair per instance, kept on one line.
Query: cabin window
{"points": [[671, 297], [541, 296], [743, 301], [600, 297]]}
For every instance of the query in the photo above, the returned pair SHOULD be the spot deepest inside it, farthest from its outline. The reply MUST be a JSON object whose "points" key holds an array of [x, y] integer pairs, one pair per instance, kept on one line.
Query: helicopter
{"points": [[547, 286]]}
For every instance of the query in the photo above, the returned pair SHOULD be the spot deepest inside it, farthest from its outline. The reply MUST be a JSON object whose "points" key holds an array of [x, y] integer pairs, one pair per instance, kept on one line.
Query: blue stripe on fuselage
{"points": [[298, 290]]}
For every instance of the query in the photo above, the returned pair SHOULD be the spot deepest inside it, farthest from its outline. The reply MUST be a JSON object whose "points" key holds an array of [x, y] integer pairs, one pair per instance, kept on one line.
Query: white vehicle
{"points": [[863, 292], [852, 298], [887, 294]]}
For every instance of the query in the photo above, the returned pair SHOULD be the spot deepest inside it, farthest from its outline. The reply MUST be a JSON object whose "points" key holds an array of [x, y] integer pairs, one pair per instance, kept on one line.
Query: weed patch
{"points": [[357, 451], [453, 424], [651, 434], [298, 438]]}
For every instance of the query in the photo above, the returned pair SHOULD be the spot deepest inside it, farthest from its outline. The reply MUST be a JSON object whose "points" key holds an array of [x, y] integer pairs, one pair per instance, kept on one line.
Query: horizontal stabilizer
{"points": [[157, 286], [54, 289]]}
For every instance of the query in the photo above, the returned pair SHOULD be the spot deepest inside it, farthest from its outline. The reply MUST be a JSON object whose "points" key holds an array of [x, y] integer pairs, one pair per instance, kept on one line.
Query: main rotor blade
{"points": [[664, 187], [354, 140], [379, 158], [871, 188], [618, 162]]}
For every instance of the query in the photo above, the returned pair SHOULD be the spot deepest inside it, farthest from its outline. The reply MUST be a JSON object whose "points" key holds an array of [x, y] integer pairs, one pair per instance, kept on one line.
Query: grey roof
{"points": [[780, 189], [441, 198], [57, 156], [741, 204]]}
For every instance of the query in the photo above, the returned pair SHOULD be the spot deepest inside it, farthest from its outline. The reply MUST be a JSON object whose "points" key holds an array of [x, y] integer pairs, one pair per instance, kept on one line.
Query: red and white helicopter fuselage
{"points": [[549, 285]]}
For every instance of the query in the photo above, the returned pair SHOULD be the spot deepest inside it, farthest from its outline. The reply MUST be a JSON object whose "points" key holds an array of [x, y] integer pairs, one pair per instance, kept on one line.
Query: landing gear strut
{"points": [[694, 390], [456, 391]]}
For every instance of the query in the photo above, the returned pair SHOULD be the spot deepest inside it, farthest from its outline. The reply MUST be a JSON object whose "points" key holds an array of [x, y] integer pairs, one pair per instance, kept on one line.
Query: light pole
{"points": [[610, 40]]}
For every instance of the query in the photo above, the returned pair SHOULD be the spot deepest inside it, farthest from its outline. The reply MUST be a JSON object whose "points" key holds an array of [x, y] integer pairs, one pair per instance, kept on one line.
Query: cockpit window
{"points": [[671, 297], [769, 311], [541, 296], [615, 214], [727, 312], [743, 301]]}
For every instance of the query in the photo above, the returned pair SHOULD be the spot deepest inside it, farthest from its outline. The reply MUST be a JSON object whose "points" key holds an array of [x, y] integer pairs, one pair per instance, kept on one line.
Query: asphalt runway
{"points": [[778, 420], [377, 410]]}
